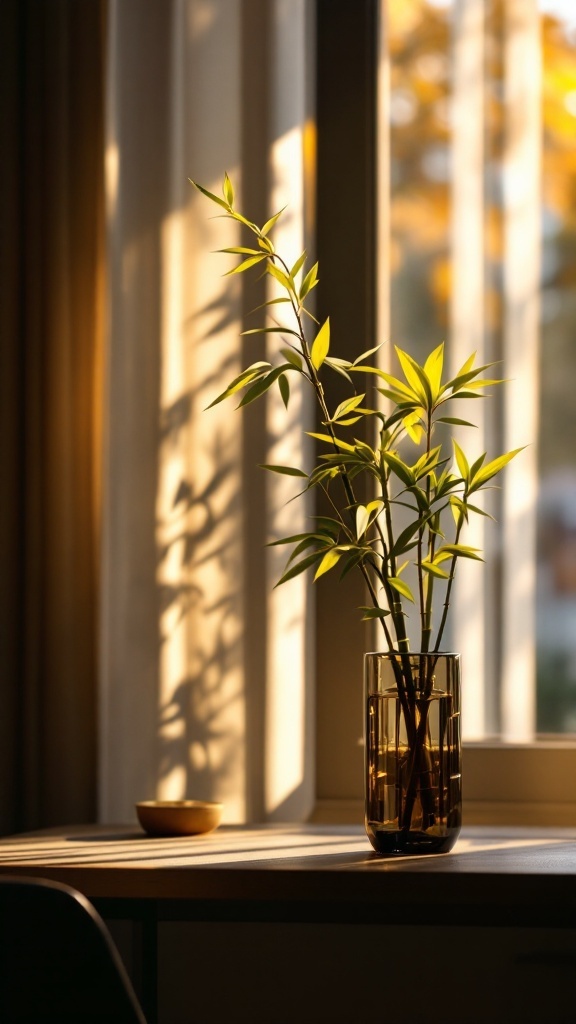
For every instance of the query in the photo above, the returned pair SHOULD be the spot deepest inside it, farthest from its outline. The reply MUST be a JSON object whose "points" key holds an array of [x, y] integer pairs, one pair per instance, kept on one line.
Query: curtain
{"points": [[51, 325]]}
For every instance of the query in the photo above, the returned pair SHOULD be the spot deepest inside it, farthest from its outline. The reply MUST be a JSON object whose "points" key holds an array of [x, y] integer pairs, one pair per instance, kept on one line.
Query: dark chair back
{"points": [[58, 963]]}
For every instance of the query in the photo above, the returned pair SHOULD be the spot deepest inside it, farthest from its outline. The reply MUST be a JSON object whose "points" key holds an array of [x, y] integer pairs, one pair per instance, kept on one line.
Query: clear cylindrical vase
{"points": [[413, 752]]}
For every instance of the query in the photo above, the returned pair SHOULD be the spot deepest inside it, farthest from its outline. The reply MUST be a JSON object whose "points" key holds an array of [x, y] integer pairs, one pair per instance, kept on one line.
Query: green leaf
{"points": [[239, 250], [292, 357], [433, 370], [284, 386], [413, 426], [331, 558], [460, 550], [328, 525], [298, 265], [262, 385], [227, 190], [371, 612], [415, 376], [401, 587], [404, 540], [321, 345], [270, 223], [369, 352], [210, 195], [461, 461], [241, 381], [399, 468], [243, 220], [492, 468], [245, 265], [270, 330], [435, 570], [295, 570], [346, 407], [270, 302], [287, 470], [309, 282], [456, 422], [332, 440], [280, 276], [336, 365], [362, 520]]}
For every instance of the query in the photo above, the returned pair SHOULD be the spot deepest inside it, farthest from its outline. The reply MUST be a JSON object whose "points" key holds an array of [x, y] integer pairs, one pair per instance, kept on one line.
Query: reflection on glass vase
{"points": [[413, 752]]}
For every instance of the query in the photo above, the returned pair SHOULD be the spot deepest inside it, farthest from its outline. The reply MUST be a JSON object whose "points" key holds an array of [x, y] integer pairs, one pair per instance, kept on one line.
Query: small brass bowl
{"points": [[178, 817]]}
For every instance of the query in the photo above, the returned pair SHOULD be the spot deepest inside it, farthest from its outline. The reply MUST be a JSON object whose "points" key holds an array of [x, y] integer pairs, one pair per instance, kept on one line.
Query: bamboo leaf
{"points": [[210, 195], [241, 381], [270, 223], [401, 587], [227, 190], [298, 265], [461, 461], [262, 385], [239, 250], [284, 386], [415, 376], [460, 550], [309, 282], [404, 542], [492, 468], [292, 357], [433, 369], [399, 468], [330, 559], [287, 470], [362, 520], [346, 407], [270, 330], [456, 422], [332, 440], [280, 276], [295, 570], [435, 570], [371, 612], [321, 345], [245, 265]]}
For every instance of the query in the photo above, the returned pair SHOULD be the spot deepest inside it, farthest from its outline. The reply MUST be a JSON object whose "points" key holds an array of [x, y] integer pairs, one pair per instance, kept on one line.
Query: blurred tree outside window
{"points": [[421, 40]]}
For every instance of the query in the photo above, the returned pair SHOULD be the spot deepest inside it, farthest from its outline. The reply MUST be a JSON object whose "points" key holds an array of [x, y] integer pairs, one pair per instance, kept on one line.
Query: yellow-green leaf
{"points": [[284, 386], [228, 191], [328, 562], [435, 570], [401, 587], [433, 370], [245, 265], [281, 277], [209, 195], [270, 223], [362, 520], [461, 460], [298, 265], [287, 470], [321, 345]]}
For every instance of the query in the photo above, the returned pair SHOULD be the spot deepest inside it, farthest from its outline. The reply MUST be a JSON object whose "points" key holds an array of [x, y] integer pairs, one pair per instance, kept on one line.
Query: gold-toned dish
{"points": [[178, 817]]}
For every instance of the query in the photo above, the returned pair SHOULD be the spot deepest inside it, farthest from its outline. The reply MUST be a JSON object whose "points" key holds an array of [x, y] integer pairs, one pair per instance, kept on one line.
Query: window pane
{"points": [[473, 232]]}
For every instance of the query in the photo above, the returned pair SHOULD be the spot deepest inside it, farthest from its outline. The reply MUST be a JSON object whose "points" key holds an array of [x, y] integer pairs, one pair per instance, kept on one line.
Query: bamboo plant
{"points": [[431, 492]]}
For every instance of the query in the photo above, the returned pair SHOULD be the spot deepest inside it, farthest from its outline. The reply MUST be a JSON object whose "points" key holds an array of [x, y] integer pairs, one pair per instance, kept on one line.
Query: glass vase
{"points": [[413, 752]]}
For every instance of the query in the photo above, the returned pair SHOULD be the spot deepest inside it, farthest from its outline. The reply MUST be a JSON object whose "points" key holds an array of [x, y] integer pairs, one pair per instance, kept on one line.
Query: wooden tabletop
{"points": [[531, 870]]}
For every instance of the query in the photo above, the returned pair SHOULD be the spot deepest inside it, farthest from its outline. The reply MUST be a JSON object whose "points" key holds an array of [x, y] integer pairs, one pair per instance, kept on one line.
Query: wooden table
{"points": [[321, 879]]}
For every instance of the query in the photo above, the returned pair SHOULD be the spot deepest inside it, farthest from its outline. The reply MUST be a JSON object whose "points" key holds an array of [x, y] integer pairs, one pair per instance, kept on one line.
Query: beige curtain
{"points": [[51, 251]]}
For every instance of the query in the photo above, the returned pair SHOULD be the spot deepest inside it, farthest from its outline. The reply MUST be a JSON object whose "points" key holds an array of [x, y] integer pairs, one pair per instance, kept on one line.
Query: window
{"points": [[475, 186]]}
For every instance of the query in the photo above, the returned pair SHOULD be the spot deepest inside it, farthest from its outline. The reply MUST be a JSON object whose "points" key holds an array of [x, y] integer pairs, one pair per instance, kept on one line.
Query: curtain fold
{"points": [[51, 325]]}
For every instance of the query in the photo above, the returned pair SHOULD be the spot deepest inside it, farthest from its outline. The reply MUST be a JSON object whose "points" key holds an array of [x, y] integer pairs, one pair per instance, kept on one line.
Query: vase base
{"points": [[391, 842]]}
